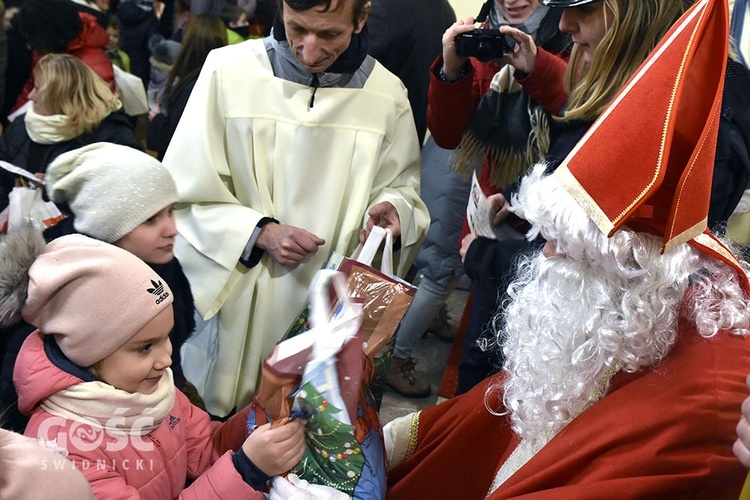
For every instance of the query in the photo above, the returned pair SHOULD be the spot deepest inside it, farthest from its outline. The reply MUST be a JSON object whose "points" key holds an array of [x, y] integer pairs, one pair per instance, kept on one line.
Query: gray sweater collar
{"points": [[285, 66]]}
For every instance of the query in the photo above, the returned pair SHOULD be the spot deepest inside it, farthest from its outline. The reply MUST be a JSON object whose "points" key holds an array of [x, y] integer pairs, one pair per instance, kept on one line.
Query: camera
{"points": [[484, 44]]}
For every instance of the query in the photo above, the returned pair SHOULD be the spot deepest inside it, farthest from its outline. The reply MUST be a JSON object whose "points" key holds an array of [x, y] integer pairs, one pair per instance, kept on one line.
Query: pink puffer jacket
{"points": [[186, 445]]}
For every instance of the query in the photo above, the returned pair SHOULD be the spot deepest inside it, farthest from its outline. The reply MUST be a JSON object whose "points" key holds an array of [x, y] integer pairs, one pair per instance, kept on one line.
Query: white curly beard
{"points": [[573, 321], [567, 331]]}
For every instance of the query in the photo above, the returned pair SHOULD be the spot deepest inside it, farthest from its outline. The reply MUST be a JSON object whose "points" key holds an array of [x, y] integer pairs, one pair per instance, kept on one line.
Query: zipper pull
{"points": [[315, 84], [152, 438]]}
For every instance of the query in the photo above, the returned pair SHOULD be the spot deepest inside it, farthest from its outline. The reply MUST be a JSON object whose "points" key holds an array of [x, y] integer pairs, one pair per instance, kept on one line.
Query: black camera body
{"points": [[484, 44]]}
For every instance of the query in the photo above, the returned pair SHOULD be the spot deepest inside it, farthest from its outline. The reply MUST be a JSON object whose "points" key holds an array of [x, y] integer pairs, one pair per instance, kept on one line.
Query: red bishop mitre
{"points": [[647, 162]]}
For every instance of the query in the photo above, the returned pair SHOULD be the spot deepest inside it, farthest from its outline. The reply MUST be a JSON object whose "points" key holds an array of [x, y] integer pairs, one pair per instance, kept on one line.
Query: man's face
{"points": [[317, 37]]}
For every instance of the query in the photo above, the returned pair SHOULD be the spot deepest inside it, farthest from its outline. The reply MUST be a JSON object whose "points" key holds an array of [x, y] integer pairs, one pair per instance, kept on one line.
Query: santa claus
{"points": [[626, 338]]}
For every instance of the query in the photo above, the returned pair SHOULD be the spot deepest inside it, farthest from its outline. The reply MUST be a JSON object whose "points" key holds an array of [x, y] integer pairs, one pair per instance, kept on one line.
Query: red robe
{"points": [[660, 433]]}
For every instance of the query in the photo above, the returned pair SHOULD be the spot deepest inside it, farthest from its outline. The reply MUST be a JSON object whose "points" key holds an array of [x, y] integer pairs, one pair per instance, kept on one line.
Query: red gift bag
{"points": [[385, 299]]}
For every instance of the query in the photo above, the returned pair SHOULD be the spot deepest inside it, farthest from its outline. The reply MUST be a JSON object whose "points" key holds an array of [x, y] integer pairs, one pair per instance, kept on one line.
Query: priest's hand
{"points": [[384, 214], [288, 245]]}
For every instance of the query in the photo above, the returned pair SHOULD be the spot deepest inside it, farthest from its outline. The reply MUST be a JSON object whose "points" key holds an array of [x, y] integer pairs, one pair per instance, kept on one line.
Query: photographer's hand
{"points": [[523, 57], [452, 63]]}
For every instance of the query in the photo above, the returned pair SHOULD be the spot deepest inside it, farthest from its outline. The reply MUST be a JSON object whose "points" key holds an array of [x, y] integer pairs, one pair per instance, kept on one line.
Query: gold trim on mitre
{"points": [[710, 242], [691, 233], [668, 117], [678, 198], [584, 199]]}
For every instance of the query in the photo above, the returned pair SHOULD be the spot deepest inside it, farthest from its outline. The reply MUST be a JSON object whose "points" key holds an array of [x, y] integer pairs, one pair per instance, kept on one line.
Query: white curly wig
{"points": [[599, 306]]}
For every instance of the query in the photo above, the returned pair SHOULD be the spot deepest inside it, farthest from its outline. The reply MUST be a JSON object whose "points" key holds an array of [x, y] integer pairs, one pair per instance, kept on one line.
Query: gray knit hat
{"points": [[163, 52], [111, 189]]}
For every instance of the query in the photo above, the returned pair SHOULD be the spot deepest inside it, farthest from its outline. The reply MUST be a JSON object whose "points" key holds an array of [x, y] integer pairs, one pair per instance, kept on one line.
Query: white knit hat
{"points": [[92, 296], [111, 189]]}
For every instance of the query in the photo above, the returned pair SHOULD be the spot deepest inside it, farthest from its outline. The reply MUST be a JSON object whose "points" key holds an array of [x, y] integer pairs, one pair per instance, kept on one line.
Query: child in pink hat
{"points": [[96, 382]]}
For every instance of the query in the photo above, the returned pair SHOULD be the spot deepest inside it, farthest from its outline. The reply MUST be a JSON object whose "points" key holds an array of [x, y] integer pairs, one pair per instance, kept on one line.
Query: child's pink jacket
{"points": [[186, 444]]}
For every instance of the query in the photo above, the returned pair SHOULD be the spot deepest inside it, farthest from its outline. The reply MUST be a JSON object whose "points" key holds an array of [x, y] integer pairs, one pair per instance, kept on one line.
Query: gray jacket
{"points": [[446, 196]]}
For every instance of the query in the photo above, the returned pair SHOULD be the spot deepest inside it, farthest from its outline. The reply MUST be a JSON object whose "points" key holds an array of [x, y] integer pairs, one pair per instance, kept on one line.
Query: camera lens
{"points": [[485, 49]]}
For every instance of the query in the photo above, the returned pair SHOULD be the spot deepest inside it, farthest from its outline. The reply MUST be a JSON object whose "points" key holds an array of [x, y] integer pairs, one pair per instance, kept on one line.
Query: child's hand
{"points": [[275, 451]]}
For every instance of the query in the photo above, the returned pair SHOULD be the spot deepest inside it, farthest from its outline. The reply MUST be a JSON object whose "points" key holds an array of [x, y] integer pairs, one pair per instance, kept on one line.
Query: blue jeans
{"points": [[427, 301]]}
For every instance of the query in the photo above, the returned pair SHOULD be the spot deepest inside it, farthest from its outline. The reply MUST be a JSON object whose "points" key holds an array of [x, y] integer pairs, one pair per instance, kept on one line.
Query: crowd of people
{"points": [[606, 344]]}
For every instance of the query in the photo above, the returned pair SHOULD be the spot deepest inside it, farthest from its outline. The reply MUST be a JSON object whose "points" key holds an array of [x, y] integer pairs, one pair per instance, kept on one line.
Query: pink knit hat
{"points": [[31, 470], [92, 296]]}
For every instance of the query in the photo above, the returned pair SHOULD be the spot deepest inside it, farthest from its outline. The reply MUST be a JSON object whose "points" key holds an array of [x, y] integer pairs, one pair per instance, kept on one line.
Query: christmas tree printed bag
{"points": [[322, 375]]}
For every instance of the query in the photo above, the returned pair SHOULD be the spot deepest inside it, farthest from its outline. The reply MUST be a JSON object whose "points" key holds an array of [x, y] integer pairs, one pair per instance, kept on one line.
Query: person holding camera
{"points": [[490, 127]]}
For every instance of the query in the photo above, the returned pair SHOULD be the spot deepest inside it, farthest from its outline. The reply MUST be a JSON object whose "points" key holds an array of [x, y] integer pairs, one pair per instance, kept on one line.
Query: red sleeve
{"points": [[451, 437], [451, 105], [545, 82]]}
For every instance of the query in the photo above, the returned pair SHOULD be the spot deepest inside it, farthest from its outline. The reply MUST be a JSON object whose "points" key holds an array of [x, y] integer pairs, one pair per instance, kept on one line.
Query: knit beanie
{"points": [[111, 189], [163, 52], [92, 296], [32, 470]]}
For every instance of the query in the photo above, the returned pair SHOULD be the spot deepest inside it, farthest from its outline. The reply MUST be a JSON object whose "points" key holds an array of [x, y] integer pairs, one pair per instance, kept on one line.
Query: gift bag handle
{"points": [[319, 299], [366, 253], [321, 319], [23, 174]]}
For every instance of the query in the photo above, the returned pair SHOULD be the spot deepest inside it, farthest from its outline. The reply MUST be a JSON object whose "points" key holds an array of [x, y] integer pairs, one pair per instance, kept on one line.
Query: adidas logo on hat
{"points": [[158, 290]]}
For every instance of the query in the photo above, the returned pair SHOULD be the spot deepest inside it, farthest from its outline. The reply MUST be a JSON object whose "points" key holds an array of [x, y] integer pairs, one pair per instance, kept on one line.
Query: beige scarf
{"points": [[113, 410], [47, 129]]}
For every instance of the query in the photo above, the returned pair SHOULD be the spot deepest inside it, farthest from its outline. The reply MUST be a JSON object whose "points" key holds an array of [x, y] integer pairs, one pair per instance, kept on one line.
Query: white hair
{"points": [[601, 306]]}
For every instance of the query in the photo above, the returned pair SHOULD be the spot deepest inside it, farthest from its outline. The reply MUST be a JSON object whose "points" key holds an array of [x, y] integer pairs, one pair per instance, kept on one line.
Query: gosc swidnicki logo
{"points": [[83, 435]]}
